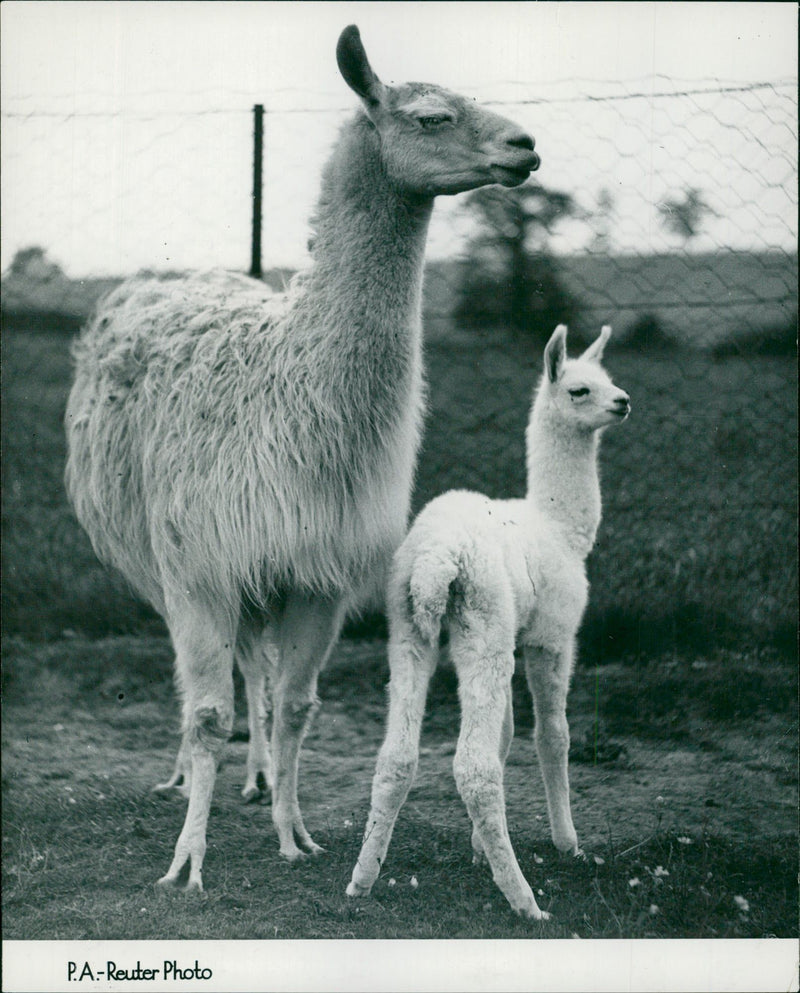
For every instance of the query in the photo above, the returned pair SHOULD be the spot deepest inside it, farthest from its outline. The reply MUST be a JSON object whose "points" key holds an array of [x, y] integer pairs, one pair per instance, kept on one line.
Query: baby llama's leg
{"points": [[548, 675], [308, 629], [254, 650], [203, 641], [483, 653], [506, 738], [411, 662]]}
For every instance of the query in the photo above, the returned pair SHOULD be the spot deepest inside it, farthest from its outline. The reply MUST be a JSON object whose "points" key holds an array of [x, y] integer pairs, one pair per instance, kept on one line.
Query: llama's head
{"points": [[433, 141], [579, 392]]}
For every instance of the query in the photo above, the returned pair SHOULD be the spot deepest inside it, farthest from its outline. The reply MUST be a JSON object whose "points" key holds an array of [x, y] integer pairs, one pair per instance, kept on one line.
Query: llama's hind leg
{"points": [[181, 777], [548, 676], [254, 652], [204, 653], [411, 662], [506, 738], [308, 629], [485, 666], [259, 764]]}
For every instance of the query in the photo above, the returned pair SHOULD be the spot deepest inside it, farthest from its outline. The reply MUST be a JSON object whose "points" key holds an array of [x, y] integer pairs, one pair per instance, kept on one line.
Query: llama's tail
{"points": [[432, 573]]}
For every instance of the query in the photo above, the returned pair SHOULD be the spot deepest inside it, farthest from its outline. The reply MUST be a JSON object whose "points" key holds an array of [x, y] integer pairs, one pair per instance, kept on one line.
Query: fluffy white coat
{"points": [[499, 574]]}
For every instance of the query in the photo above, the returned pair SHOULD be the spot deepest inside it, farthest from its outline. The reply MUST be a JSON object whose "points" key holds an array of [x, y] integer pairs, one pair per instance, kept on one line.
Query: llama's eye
{"points": [[582, 391], [431, 121]]}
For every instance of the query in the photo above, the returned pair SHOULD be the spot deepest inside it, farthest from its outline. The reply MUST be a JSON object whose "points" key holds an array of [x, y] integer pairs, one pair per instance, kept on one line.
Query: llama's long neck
{"points": [[563, 478], [360, 301]]}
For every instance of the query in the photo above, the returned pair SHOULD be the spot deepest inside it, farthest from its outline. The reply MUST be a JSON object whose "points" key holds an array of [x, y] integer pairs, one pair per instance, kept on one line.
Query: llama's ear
{"points": [[595, 351], [355, 68], [555, 353]]}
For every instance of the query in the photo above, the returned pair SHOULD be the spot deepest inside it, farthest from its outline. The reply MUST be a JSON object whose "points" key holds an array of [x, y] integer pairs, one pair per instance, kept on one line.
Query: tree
{"points": [[33, 263], [510, 277], [601, 221], [684, 216]]}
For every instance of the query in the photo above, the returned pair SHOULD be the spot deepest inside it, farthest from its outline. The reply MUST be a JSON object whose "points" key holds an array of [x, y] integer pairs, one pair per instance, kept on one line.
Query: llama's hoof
{"points": [[256, 786], [356, 890], [530, 909], [293, 853], [170, 787], [170, 886], [532, 912]]}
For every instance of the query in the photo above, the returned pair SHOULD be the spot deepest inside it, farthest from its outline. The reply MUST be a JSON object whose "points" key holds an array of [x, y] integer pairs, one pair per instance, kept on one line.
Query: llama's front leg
{"points": [[309, 627], [204, 653], [548, 676], [411, 662], [484, 678], [506, 738]]}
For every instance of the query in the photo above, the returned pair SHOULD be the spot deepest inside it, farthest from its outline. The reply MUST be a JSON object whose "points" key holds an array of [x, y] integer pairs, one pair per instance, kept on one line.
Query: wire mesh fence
{"points": [[700, 486]]}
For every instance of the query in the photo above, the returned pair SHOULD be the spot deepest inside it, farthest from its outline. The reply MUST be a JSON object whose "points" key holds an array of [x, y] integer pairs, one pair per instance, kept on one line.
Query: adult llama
{"points": [[245, 459]]}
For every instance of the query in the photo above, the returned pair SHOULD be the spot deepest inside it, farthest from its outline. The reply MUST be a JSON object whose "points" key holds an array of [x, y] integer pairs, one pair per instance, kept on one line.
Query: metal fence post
{"points": [[258, 157]]}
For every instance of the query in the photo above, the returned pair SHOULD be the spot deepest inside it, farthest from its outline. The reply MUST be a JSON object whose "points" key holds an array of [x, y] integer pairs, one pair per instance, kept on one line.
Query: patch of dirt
{"points": [[739, 783]]}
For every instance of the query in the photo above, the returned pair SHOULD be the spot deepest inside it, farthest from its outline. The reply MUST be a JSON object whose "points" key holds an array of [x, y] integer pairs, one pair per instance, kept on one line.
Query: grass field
{"points": [[684, 706]]}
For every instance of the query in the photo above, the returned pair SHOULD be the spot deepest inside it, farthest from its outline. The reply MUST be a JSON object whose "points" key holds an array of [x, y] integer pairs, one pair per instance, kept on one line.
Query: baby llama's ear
{"points": [[555, 353], [595, 351], [356, 70]]}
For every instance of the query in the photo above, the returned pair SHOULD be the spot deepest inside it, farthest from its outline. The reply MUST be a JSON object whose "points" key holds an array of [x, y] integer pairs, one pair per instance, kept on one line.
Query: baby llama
{"points": [[499, 574], [246, 459]]}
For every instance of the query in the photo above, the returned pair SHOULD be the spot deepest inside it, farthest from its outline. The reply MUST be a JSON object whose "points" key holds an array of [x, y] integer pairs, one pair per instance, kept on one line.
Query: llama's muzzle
{"points": [[622, 405]]}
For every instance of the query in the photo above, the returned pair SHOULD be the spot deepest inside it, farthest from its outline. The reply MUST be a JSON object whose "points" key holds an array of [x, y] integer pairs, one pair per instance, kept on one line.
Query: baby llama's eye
{"points": [[582, 391]]}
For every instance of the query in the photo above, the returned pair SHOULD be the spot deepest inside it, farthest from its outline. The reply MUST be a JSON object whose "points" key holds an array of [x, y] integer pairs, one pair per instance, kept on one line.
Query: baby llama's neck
{"points": [[563, 478]]}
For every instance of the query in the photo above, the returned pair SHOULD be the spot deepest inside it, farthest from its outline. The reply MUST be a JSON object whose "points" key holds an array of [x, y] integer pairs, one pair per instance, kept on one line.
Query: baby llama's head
{"points": [[579, 392]]}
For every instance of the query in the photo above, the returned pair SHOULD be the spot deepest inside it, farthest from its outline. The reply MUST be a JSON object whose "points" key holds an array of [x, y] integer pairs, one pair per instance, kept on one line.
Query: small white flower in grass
{"points": [[599, 860], [660, 799], [143, 910], [653, 910], [71, 800], [537, 859], [414, 882], [540, 892], [58, 727], [393, 881], [660, 871], [348, 823], [633, 883], [683, 840], [742, 904]]}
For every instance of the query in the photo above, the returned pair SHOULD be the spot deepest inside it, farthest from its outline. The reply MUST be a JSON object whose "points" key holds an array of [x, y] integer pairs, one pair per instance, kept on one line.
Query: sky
{"points": [[127, 125]]}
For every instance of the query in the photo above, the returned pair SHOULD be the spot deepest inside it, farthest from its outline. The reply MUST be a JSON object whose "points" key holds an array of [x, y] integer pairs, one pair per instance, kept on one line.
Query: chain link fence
{"points": [[700, 486]]}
